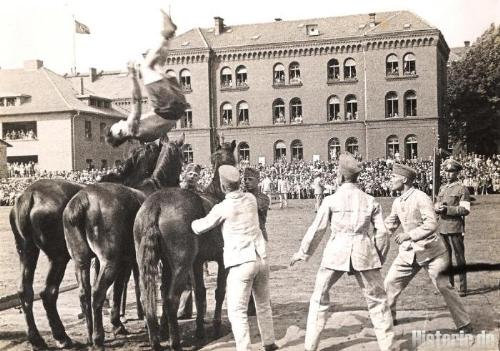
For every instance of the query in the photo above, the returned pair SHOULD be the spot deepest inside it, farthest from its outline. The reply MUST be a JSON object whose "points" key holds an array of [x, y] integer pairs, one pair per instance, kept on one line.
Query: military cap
{"points": [[193, 167], [451, 165], [251, 172], [404, 171], [348, 165], [229, 174]]}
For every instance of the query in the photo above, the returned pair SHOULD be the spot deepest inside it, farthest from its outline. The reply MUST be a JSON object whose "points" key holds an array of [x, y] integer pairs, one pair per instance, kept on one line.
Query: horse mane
{"points": [[223, 155]]}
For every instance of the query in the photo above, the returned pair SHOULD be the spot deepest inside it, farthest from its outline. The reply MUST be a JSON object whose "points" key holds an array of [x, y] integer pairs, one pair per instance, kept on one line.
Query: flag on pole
{"points": [[81, 28]]}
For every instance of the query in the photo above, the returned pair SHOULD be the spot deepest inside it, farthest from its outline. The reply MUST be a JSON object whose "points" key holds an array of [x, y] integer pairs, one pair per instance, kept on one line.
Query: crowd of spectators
{"points": [[481, 175], [20, 135]]}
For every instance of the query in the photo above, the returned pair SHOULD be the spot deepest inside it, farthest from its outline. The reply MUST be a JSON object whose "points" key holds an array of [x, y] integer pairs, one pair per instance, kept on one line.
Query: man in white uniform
{"points": [[350, 249]]}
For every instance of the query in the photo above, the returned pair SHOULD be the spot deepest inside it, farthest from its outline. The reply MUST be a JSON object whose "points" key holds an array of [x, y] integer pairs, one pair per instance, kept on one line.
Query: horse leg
{"points": [[166, 278], [28, 257], [57, 267], [119, 294], [177, 285], [200, 295], [107, 275], [124, 278], [220, 293], [82, 272], [135, 271]]}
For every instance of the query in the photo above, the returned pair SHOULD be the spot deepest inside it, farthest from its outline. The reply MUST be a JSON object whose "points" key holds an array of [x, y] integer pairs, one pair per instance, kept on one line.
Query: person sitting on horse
{"points": [[165, 96], [191, 177], [245, 257]]}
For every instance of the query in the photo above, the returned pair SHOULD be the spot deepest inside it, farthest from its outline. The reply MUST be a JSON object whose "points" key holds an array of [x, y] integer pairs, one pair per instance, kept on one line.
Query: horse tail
{"points": [[76, 210], [19, 217], [148, 255]]}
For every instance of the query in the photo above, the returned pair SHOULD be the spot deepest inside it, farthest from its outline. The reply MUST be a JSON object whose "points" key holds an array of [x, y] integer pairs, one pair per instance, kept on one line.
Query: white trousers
{"points": [[401, 273], [371, 283], [242, 280]]}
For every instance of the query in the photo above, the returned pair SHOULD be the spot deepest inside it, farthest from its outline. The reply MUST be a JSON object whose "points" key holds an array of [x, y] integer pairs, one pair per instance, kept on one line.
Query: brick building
{"points": [[373, 84], [48, 122]]}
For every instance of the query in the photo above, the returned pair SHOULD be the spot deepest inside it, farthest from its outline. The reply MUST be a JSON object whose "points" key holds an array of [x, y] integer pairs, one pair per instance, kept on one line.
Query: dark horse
{"points": [[98, 222], [162, 232], [36, 222]]}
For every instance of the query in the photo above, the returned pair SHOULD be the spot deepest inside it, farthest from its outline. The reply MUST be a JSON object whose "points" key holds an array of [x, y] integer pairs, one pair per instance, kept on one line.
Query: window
{"points": [[351, 108], [279, 150], [296, 111], [349, 69], [170, 73], [226, 114], [333, 108], [243, 152], [333, 69], [187, 119], [88, 130], [279, 74], [19, 130], [243, 114], [186, 80], [392, 147], [351, 145], [411, 147], [278, 111], [102, 132], [409, 64], [90, 164], [410, 104], [295, 73], [226, 77], [297, 150], [10, 101], [391, 65], [391, 105], [187, 151], [104, 164], [241, 76], [333, 148]]}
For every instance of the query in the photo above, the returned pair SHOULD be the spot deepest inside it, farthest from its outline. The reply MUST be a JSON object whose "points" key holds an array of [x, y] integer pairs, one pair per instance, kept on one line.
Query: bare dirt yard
{"points": [[290, 287]]}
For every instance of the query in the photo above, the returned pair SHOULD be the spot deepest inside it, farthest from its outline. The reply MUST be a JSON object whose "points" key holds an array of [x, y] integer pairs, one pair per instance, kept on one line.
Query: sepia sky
{"points": [[121, 30]]}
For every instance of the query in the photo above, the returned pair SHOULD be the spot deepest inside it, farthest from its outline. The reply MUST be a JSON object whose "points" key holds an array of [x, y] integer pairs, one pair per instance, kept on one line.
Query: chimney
{"points": [[277, 19], [92, 74], [467, 43], [219, 25], [82, 88], [372, 19], [33, 64]]}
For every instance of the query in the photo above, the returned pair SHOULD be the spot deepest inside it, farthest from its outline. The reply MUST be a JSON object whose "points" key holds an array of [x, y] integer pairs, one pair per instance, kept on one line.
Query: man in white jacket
{"points": [[244, 256], [351, 249]]}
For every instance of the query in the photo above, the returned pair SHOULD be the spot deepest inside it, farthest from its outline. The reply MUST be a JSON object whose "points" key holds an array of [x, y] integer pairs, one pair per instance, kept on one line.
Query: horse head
{"points": [[140, 164], [169, 165], [223, 155]]}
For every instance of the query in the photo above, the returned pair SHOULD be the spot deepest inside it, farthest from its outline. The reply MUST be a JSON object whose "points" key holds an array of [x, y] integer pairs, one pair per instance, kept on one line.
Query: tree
{"points": [[473, 95]]}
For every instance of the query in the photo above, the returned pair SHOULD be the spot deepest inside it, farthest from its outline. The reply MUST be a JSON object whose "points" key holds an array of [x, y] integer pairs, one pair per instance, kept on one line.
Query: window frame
{"points": [[411, 97], [229, 116], [333, 71], [392, 105], [296, 146], [351, 107], [336, 116], [350, 72]]}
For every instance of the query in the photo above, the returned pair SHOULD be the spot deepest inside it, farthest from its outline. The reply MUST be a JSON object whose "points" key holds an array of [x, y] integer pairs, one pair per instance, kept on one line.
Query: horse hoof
{"points": [[65, 343], [120, 330], [37, 343], [217, 325]]}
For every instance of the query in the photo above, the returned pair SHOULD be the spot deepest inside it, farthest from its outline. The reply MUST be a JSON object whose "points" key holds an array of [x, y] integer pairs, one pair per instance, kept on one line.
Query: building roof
{"points": [[44, 92], [459, 53], [279, 32]]}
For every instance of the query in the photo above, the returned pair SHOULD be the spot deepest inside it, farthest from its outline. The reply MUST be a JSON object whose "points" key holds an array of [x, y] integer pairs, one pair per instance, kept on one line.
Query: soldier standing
{"points": [[452, 205]]}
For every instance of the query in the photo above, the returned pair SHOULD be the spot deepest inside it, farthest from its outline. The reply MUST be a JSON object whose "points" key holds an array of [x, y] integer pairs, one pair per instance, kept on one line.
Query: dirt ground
{"points": [[290, 287]]}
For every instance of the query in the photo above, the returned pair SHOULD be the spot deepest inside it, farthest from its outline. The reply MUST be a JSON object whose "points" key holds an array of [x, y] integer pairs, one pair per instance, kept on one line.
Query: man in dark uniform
{"points": [[251, 185], [452, 205]]}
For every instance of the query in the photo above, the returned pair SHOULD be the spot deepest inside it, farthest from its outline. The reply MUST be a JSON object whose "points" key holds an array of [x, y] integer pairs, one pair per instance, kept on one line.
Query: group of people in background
{"points": [[20, 135]]}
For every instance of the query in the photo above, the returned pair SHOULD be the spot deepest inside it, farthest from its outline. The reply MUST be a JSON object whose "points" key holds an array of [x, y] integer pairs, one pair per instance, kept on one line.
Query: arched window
{"points": [[241, 76], [102, 132], [352, 146], [333, 148], [279, 74], [278, 111], [279, 150], [187, 119], [349, 69], [187, 150], [243, 152], [391, 65], [297, 150], [170, 73], [411, 147], [333, 69], [226, 77], [409, 64], [351, 108], [226, 114], [391, 105], [333, 108], [296, 111], [410, 103], [243, 118], [392, 147], [185, 80], [294, 73]]}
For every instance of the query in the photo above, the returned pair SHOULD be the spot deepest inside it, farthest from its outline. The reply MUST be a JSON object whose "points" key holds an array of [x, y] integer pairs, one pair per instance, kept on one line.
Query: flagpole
{"points": [[74, 45]]}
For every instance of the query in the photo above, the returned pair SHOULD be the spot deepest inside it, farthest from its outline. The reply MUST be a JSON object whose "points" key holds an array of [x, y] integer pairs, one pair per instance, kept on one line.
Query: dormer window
{"points": [[13, 100], [312, 29]]}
